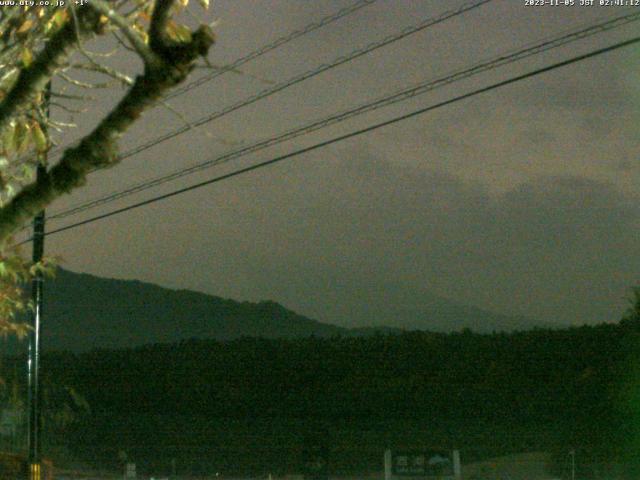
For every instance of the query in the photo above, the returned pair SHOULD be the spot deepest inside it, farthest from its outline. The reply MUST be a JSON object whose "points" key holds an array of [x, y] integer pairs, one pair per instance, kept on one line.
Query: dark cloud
{"points": [[522, 200], [363, 226]]}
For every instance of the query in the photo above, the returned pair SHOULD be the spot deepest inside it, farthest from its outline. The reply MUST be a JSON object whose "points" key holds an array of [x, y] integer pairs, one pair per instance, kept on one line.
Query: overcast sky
{"points": [[523, 200]]}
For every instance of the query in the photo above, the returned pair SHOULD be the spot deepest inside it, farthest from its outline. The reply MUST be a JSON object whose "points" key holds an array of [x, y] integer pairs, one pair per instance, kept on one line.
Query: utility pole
{"points": [[37, 292]]}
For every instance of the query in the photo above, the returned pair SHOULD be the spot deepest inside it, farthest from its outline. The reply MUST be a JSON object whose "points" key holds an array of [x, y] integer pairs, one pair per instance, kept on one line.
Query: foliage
{"points": [[15, 272], [50, 45], [632, 316], [62, 408], [248, 405]]}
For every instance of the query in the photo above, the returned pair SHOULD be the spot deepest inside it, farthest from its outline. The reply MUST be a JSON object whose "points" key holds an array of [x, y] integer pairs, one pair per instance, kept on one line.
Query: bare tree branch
{"points": [[85, 85], [67, 109], [33, 79], [127, 30], [122, 42], [111, 72], [78, 98]]}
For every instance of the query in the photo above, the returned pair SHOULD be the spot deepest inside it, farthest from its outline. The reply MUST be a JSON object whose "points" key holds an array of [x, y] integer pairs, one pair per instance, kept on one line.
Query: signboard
{"points": [[130, 470], [422, 464], [427, 463]]}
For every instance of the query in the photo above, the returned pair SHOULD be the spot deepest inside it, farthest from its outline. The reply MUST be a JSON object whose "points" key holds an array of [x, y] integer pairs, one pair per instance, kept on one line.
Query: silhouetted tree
{"points": [[632, 315]]}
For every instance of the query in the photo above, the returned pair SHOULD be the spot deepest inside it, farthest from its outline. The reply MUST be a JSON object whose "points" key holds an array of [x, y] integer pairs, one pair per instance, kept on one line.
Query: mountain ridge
{"points": [[139, 313]]}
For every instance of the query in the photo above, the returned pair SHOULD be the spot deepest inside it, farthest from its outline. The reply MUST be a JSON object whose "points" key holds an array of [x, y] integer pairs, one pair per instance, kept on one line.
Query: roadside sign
{"points": [[423, 463], [130, 471]]}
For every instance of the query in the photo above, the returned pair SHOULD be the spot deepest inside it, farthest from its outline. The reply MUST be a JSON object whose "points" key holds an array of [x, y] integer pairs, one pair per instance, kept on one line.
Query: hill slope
{"points": [[83, 312], [439, 314]]}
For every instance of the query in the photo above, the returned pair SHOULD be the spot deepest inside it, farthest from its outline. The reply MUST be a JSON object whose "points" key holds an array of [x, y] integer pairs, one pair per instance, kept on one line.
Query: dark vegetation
{"points": [[253, 405]]}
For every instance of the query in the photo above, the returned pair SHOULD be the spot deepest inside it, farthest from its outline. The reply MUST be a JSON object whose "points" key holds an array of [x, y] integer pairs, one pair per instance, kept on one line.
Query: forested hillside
{"points": [[251, 405], [84, 312]]}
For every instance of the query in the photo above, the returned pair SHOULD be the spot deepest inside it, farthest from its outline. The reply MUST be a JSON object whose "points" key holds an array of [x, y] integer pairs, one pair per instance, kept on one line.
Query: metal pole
{"points": [[33, 363], [573, 464]]}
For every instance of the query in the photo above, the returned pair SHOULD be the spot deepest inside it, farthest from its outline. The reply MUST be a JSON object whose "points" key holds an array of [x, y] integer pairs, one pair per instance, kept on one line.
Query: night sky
{"points": [[521, 201]]}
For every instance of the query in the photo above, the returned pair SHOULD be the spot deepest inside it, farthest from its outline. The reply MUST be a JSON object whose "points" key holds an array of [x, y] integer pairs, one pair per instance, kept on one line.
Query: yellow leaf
{"points": [[60, 17], [204, 4], [57, 20], [8, 138], [39, 138], [26, 25], [178, 32], [7, 79], [22, 136], [26, 57], [184, 33], [143, 33]]}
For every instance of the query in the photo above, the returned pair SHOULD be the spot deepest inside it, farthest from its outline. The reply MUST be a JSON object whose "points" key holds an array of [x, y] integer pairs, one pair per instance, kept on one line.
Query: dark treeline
{"points": [[253, 405]]}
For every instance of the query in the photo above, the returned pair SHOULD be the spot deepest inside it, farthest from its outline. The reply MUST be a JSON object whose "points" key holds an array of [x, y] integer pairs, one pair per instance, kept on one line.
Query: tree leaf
{"points": [[26, 56], [56, 21], [22, 136], [8, 79], [10, 190], [27, 172], [39, 138], [26, 25], [178, 32], [62, 17], [8, 138]]}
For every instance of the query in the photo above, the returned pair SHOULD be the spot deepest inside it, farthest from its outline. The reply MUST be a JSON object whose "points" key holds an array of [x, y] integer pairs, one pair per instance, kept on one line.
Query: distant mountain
{"points": [[83, 312], [415, 307], [436, 314]]}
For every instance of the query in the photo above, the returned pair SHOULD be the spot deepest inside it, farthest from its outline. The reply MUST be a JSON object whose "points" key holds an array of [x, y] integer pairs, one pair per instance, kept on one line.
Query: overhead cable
{"points": [[404, 94], [349, 135]]}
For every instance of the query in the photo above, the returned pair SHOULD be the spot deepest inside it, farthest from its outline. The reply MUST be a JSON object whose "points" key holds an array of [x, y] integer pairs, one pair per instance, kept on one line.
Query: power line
{"points": [[355, 133], [424, 87], [427, 23], [233, 66], [272, 46]]}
